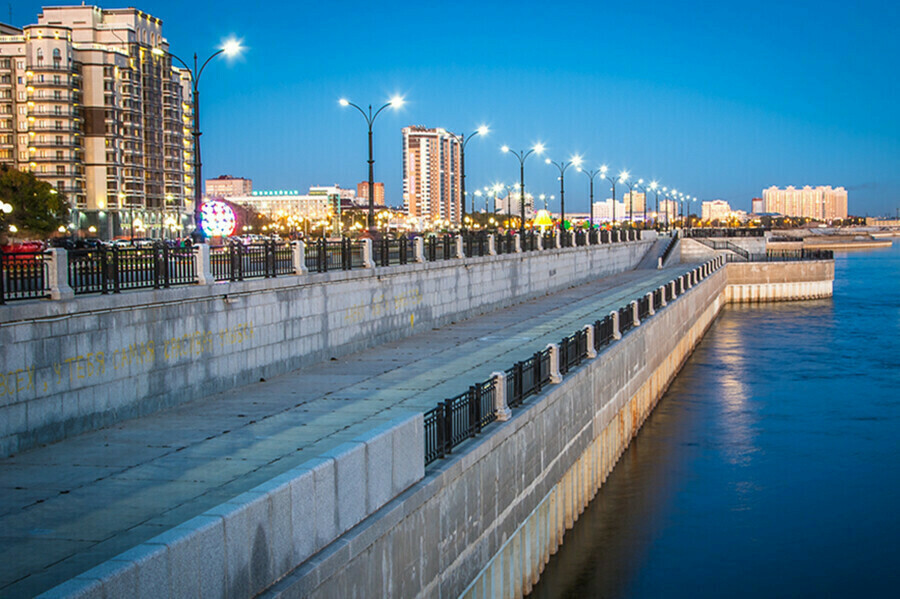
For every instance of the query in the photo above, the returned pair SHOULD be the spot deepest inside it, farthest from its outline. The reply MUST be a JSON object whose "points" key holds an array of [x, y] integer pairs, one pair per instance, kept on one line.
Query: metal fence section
{"points": [[603, 332], [23, 275], [238, 261], [643, 308], [438, 248], [116, 269], [724, 232], [457, 419], [572, 350], [626, 319]]}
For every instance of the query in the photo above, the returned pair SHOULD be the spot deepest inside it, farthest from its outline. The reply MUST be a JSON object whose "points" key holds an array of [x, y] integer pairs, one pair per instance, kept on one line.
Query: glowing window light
{"points": [[217, 219]]}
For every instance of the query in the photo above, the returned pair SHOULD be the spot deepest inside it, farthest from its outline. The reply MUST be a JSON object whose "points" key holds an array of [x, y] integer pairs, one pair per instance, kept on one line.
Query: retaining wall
{"points": [[779, 281], [484, 523], [75, 365]]}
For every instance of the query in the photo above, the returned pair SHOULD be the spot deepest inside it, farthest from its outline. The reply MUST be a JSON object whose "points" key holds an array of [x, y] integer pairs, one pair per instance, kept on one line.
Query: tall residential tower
{"points": [[89, 107], [431, 174]]}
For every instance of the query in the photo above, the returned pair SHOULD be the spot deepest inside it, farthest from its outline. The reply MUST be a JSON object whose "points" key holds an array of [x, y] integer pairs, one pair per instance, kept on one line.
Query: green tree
{"points": [[37, 207]]}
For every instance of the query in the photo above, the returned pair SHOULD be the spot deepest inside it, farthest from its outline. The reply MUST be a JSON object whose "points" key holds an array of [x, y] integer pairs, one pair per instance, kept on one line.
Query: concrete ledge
{"points": [[241, 547]]}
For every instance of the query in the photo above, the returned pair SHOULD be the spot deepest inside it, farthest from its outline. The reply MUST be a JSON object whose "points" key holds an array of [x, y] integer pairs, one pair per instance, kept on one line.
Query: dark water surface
{"points": [[771, 468]]}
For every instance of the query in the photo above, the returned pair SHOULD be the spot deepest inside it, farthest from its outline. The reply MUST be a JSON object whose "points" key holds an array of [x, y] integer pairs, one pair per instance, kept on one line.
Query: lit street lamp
{"points": [[561, 167], [591, 175], [396, 102], [463, 140], [230, 49], [538, 148], [623, 177], [603, 173]]}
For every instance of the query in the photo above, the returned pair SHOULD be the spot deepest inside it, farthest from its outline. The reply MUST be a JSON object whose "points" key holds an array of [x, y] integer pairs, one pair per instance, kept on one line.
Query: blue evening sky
{"points": [[718, 99]]}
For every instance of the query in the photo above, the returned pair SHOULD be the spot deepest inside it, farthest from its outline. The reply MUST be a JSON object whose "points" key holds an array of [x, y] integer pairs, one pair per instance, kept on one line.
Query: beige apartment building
{"points": [[715, 210], [820, 203], [226, 186], [88, 106], [431, 174], [362, 193]]}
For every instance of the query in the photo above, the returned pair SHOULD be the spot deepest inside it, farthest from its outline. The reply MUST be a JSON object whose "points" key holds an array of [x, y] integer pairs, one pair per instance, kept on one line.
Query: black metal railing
{"points": [[238, 261], [643, 308], [603, 332], [669, 247], [475, 244], [438, 248], [457, 419], [626, 318], [116, 269], [724, 232], [572, 350], [659, 294], [23, 275], [505, 243], [793, 255]]}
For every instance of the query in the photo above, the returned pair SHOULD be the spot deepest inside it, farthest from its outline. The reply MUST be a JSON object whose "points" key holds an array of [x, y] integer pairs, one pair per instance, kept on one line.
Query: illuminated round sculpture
{"points": [[217, 219]]}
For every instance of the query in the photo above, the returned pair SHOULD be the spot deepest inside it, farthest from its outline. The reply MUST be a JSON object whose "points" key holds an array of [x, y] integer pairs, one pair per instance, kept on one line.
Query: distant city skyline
{"points": [[719, 101]]}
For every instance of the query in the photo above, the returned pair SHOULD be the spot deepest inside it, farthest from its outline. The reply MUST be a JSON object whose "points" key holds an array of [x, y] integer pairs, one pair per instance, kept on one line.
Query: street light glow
{"points": [[538, 148], [344, 102], [654, 185], [483, 130], [603, 169], [397, 101], [504, 149], [623, 176], [231, 47], [547, 160]]}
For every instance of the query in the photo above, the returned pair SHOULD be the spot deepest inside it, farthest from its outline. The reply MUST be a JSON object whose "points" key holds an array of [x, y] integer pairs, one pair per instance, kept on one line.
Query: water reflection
{"points": [[770, 468]]}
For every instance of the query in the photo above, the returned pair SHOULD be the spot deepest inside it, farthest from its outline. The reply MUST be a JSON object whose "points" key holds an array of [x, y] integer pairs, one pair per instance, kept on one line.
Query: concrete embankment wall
{"points": [[484, 523], [779, 281], [71, 366]]}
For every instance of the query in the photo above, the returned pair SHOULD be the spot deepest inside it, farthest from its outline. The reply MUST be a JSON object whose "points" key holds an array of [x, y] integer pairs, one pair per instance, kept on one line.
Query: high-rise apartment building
{"points": [[89, 106], [226, 186], [362, 193], [635, 201], [431, 174], [821, 203]]}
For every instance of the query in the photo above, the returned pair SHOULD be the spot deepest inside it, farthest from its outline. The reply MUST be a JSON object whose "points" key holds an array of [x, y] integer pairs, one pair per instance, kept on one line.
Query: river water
{"points": [[771, 468]]}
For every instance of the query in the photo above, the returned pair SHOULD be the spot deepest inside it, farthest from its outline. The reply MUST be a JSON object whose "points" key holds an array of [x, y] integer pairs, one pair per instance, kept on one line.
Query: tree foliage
{"points": [[37, 208]]}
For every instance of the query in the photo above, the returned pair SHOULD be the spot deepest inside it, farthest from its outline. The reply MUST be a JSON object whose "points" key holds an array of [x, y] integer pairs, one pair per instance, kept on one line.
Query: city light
{"points": [[231, 47]]}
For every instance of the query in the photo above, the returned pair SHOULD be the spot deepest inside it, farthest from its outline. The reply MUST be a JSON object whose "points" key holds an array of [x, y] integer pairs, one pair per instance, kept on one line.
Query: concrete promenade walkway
{"points": [[67, 507]]}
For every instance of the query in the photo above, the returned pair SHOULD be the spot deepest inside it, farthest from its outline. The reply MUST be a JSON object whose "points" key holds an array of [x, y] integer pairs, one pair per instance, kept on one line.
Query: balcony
{"points": [[61, 84], [54, 160], [51, 68], [54, 129], [64, 145]]}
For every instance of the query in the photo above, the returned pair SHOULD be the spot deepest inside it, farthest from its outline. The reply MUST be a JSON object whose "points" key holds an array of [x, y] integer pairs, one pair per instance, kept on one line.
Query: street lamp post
{"points": [[561, 167], [396, 102], [654, 186], [463, 140], [538, 148], [591, 175], [603, 173], [230, 49], [630, 196]]}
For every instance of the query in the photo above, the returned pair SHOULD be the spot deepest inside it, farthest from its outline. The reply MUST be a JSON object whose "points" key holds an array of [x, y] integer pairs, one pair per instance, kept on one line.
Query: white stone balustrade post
{"points": [[540, 241], [58, 274], [558, 240], [419, 248], [663, 295], [203, 264], [501, 407], [687, 280], [617, 331], [634, 313], [460, 253], [589, 331], [492, 248], [368, 257], [650, 301], [518, 243], [555, 376]]}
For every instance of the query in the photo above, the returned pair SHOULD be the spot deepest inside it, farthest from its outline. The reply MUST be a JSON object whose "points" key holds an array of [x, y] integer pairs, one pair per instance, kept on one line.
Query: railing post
{"points": [[492, 247], [460, 253], [501, 405], [687, 279], [616, 330], [58, 274], [558, 242], [518, 243], [539, 241], [635, 312], [368, 260], [203, 264], [662, 295], [298, 257], [419, 249], [650, 302], [589, 331], [555, 376]]}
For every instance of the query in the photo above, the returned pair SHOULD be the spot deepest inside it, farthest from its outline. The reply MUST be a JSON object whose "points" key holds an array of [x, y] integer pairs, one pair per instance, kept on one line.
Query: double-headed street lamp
{"points": [[230, 49], [561, 167], [396, 102], [654, 187], [591, 175], [623, 176], [538, 148], [463, 139]]}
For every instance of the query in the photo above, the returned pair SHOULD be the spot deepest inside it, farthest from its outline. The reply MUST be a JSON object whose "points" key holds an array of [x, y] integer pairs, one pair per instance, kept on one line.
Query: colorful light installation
{"points": [[217, 219]]}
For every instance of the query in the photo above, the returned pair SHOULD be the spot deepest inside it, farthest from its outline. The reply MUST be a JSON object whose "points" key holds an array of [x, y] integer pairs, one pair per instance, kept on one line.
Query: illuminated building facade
{"points": [[226, 186], [431, 174], [86, 105], [820, 203], [715, 210]]}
